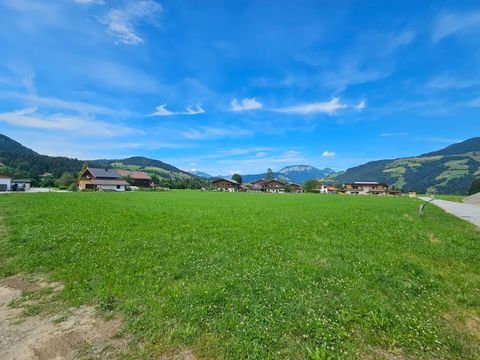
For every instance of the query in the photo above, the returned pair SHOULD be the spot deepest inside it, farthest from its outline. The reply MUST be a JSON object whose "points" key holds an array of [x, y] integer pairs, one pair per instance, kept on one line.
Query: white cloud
{"points": [[329, 107], [449, 24], [162, 110], [361, 105], [245, 104], [31, 118], [328, 154], [394, 134], [122, 22]]}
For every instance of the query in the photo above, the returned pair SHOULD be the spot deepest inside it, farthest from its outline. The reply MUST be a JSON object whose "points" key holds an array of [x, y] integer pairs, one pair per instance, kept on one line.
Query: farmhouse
{"points": [[136, 178], [5, 183], [258, 185], [268, 186], [366, 188], [97, 179], [274, 186], [296, 187], [225, 185]]}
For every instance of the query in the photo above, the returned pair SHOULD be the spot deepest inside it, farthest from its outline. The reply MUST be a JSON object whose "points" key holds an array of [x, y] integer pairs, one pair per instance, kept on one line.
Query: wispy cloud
{"points": [[329, 107], [245, 104], [446, 81], [122, 22], [361, 105], [438, 139], [35, 101], [214, 132], [89, 2], [329, 154], [393, 134], [449, 24], [474, 103], [31, 118], [162, 110]]}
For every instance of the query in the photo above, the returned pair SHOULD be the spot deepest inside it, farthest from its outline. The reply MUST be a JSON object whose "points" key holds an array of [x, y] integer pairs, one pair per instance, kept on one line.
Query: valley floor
{"points": [[244, 275]]}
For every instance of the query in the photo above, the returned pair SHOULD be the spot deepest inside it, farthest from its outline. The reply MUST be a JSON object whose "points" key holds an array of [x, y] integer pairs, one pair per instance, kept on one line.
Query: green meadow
{"points": [[258, 276]]}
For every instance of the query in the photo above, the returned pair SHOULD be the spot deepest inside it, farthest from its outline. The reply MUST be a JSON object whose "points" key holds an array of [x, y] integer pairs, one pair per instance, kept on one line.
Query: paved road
{"points": [[466, 212]]}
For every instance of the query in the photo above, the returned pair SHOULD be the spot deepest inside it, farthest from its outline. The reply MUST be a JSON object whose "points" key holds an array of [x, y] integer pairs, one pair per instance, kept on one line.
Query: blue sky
{"points": [[239, 86]]}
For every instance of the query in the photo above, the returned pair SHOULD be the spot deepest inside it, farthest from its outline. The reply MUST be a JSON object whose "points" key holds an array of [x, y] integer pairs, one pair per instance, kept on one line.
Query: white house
{"points": [[5, 183]]}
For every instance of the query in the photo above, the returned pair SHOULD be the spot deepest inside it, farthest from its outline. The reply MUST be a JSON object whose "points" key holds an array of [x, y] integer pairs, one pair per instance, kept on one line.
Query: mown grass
{"points": [[455, 198], [258, 276]]}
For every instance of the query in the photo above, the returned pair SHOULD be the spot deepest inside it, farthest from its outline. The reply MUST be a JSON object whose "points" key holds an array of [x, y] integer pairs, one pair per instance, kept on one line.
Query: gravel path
{"points": [[466, 212]]}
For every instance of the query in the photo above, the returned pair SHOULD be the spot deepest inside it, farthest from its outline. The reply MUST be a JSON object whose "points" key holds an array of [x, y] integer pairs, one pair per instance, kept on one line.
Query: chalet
{"points": [[296, 187], [225, 185], [366, 188], [258, 185], [136, 178], [274, 186], [5, 183], [97, 179]]}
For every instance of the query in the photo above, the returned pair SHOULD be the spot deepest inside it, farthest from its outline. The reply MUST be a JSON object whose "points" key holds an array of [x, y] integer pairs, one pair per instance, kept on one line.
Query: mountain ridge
{"points": [[450, 170]]}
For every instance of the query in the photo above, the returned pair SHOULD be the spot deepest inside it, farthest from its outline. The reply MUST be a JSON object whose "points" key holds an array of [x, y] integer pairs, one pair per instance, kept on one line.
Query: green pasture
{"points": [[258, 276]]}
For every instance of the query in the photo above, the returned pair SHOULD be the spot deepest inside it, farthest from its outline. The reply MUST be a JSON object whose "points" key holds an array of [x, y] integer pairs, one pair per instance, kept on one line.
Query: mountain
{"points": [[449, 171], [301, 173], [201, 174], [8, 145], [20, 161], [293, 174]]}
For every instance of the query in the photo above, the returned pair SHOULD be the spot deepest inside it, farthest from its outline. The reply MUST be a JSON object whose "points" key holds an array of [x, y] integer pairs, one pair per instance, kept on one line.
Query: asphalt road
{"points": [[466, 212]]}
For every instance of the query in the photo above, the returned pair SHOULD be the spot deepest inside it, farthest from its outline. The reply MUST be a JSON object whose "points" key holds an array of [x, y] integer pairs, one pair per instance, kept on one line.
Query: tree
{"points": [[475, 187], [269, 175], [310, 185], [237, 178], [84, 167], [66, 180]]}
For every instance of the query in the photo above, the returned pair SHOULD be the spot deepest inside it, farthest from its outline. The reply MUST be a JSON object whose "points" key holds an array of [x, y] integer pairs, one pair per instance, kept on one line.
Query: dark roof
{"points": [[274, 181], [109, 182], [104, 173]]}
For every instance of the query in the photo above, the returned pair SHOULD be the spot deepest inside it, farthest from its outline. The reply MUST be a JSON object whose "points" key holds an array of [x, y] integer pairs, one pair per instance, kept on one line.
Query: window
{"points": [[118, 186]]}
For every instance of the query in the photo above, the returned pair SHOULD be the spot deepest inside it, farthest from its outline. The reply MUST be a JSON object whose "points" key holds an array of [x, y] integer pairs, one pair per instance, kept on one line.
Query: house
{"points": [[21, 184], [5, 183], [274, 186], [366, 188], [97, 179], [331, 190], [136, 178], [258, 185], [296, 187], [225, 185]]}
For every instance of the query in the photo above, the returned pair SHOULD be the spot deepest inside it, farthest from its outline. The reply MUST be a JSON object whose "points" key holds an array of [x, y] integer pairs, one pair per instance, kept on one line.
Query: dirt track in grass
{"points": [[71, 334]]}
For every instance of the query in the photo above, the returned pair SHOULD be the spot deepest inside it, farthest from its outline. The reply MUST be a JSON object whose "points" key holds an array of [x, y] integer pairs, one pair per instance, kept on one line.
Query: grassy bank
{"points": [[258, 276]]}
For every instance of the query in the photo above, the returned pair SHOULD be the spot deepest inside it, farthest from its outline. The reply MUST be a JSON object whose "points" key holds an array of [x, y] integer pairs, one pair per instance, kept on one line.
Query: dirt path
{"points": [[466, 212], [72, 334]]}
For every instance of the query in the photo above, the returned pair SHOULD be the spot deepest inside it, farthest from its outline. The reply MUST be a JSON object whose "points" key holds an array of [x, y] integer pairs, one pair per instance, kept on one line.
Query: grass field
{"points": [[455, 198], [258, 276]]}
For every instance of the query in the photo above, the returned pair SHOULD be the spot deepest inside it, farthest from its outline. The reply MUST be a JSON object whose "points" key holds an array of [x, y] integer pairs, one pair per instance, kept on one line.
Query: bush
{"points": [[475, 187]]}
